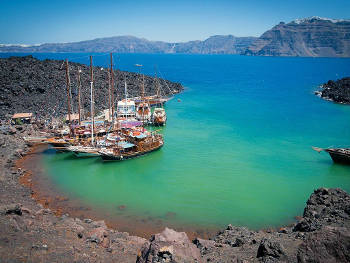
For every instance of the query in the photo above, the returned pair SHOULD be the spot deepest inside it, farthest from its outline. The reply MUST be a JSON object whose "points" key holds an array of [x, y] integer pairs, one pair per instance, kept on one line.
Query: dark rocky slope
{"points": [[311, 37], [221, 44], [31, 233], [31, 85], [337, 91]]}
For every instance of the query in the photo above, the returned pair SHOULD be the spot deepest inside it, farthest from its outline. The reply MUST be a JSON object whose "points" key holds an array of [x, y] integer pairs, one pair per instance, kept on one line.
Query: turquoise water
{"points": [[237, 147]]}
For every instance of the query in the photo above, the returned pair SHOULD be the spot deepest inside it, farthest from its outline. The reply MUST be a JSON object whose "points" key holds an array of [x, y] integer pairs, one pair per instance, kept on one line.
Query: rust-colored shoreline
{"points": [[44, 192]]}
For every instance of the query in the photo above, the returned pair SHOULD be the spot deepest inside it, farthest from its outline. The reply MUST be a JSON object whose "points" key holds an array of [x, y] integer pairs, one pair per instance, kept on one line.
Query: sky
{"points": [[51, 21]]}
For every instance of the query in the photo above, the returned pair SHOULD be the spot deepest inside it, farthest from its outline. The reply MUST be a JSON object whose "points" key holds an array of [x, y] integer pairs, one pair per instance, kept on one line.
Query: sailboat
{"points": [[135, 144], [159, 116], [338, 155], [126, 108], [89, 149], [143, 109]]}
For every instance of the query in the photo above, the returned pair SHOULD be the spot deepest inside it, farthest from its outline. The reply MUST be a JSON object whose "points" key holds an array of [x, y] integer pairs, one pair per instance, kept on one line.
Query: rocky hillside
{"points": [[128, 44], [337, 91], [310, 37], [31, 85]]}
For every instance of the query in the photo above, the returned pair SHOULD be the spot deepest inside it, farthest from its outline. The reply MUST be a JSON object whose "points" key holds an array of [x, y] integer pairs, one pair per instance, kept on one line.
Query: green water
{"points": [[237, 147]]}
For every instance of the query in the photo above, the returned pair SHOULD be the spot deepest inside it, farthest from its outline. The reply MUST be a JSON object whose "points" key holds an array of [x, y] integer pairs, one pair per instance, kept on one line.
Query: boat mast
{"points": [[92, 101], [68, 97], [157, 82], [125, 89], [79, 95], [112, 85], [109, 96]]}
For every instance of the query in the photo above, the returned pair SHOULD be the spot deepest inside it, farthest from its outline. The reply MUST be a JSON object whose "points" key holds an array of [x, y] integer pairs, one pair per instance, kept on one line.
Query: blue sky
{"points": [[38, 21]]}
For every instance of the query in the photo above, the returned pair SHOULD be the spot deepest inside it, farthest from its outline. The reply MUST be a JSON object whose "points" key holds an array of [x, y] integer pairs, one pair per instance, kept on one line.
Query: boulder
{"points": [[329, 244], [270, 250], [169, 246]]}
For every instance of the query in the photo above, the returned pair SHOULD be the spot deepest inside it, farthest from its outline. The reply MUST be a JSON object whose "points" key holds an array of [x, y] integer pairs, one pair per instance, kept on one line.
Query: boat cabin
{"points": [[22, 118], [126, 109]]}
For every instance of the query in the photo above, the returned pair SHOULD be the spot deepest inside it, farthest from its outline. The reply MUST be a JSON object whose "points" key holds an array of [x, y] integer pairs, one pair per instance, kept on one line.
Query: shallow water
{"points": [[237, 147]]}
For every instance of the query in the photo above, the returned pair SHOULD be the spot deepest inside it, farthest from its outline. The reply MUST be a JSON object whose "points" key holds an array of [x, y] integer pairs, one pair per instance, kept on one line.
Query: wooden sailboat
{"points": [[61, 144], [159, 116], [338, 155], [124, 150], [143, 109]]}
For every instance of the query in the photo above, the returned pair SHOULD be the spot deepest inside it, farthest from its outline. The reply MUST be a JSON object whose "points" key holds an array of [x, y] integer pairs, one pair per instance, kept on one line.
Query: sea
{"points": [[237, 144]]}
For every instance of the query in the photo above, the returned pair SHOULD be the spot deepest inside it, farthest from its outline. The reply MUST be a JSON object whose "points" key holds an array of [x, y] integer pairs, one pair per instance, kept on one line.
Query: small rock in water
{"points": [[122, 207]]}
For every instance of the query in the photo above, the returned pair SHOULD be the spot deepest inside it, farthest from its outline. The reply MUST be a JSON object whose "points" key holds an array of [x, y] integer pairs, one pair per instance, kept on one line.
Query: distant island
{"points": [[308, 37], [129, 44]]}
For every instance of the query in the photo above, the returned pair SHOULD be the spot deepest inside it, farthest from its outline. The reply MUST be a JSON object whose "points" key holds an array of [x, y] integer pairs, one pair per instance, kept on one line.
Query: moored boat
{"points": [[159, 117], [127, 150], [30, 141], [143, 112], [338, 155], [84, 151]]}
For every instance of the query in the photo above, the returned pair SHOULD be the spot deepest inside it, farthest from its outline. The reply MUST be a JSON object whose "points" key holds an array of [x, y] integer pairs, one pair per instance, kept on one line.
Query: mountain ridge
{"points": [[217, 44]]}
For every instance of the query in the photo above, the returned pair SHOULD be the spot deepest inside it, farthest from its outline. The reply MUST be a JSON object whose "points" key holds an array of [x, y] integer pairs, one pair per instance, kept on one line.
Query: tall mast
{"points": [[79, 95], [143, 99], [92, 101], [157, 82], [125, 89], [112, 85], [109, 96], [68, 97]]}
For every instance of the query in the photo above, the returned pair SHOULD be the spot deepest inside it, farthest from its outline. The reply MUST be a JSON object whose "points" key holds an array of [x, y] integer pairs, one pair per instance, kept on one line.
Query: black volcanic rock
{"points": [[337, 91], [129, 44], [310, 37], [330, 244], [31, 85]]}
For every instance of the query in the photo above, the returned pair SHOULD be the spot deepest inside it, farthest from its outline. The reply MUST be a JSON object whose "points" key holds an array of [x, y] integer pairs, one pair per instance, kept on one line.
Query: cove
{"points": [[237, 147]]}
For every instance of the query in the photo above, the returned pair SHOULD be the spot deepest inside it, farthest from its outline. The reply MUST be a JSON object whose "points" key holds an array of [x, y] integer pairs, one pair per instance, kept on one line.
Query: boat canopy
{"points": [[125, 144], [131, 124]]}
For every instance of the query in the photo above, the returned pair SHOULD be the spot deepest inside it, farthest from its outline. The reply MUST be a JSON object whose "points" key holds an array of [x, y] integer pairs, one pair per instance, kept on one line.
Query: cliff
{"points": [[310, 37]]}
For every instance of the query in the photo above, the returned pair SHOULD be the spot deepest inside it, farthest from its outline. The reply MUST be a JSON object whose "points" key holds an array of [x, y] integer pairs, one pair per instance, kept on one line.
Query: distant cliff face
{"points": [[310, 37], [128, 44]]}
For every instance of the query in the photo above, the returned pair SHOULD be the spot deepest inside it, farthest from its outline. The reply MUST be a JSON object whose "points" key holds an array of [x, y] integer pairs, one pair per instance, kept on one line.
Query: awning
{"points": [[130, 124], [22, 115], [125, 144]]}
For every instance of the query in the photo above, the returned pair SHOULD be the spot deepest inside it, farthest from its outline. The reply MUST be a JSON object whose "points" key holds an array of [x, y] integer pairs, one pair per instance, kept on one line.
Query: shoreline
{"points": [[61, 205], [31, 232]]}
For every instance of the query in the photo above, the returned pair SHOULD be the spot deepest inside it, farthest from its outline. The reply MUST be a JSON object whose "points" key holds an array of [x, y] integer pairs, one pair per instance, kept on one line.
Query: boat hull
{"points": [[108, 157], [339, 156], [85, 154]]}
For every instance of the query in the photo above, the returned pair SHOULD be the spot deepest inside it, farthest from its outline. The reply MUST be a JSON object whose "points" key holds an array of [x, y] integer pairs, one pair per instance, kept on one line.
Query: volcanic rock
{"points": [[31, 85], [169, 246], [337, 91]]}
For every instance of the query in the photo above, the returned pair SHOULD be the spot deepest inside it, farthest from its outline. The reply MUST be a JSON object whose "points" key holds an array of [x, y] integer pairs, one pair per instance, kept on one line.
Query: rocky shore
{"points": [[29, 232], [337, 91], [31, 85]]}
